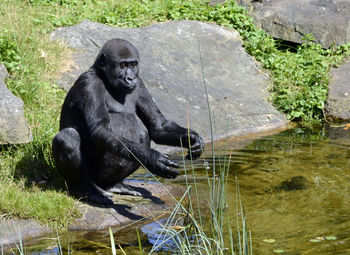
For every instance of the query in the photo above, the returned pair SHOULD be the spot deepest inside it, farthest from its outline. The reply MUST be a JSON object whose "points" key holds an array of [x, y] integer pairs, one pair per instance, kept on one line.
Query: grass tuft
{"points": [[49, 207]]}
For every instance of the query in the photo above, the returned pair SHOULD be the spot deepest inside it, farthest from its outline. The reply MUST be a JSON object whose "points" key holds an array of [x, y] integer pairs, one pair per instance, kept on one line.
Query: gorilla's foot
{"points": [[98, 198], [124, 189], [94, 194], [104, 192]]}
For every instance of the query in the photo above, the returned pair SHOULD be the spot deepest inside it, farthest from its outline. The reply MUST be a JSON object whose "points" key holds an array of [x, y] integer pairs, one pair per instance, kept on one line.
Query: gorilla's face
{"points": [[118, 60], [122, 74]]}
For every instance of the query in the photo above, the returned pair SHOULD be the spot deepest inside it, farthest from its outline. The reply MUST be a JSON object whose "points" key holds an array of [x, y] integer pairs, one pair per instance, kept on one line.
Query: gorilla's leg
{"points": [[74, 167], [113, 170]]}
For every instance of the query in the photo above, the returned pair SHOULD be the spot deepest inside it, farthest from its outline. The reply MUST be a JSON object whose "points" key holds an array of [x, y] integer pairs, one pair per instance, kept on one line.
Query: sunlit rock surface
{"points": [[14, 128], [171, 69], [338, 102], [327, 20]]}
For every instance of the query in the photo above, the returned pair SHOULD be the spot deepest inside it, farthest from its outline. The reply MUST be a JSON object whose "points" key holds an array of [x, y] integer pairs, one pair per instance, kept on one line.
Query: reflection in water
{"points": [[295, 187], [156, 236]]}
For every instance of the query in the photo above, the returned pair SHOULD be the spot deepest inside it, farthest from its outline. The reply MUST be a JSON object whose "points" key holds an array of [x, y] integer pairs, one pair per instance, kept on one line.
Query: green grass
{"points": [[299, 77], [48, 207], [33, 63]]}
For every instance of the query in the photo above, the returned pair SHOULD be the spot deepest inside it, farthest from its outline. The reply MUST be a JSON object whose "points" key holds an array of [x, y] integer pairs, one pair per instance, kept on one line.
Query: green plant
{"points": [[49, 207], [9, 54]]}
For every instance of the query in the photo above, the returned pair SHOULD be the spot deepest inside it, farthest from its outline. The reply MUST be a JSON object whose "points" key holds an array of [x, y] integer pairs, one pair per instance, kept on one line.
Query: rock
{"points": [[12, 231], [338, 103], [327, 20], [170, 67], [294, 183], [126, 209], [14, 128]]}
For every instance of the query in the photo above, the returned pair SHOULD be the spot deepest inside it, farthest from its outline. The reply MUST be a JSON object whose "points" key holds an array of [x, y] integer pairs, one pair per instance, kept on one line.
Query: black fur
{"points": [[107, 121]]}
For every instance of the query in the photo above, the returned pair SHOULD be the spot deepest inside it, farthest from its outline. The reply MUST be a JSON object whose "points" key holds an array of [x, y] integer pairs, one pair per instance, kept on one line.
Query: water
{"points": [[317, 207], [295, 187]]}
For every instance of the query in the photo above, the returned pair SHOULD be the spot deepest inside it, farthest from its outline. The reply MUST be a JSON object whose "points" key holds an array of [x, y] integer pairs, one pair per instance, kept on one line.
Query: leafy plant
{"points": [[9, 54]]}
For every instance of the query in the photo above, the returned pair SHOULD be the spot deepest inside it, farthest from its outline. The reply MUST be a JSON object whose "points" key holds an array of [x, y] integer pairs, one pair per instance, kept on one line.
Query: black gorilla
{"points": [[107, 121]]}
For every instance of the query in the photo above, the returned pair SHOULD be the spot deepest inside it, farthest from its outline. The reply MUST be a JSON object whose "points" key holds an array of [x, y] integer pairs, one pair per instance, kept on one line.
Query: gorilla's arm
{"points": [[163, 131], [96, 117]]}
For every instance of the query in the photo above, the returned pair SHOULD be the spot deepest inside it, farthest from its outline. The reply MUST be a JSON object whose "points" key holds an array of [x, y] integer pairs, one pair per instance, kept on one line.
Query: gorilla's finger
{"points": [[196, 142], [194, 154], [196, 147], [171, 163], [168, 172], [172, 173], [168, 162], [197, 151]]}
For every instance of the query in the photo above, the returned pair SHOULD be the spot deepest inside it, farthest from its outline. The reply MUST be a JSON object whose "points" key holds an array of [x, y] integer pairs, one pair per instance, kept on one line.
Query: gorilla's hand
{"points": [[160, 165], [196, 145]]}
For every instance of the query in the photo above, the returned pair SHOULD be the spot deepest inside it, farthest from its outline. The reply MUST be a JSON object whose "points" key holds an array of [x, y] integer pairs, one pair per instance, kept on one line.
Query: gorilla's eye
{"points": [[122, 65], [133, 64]]}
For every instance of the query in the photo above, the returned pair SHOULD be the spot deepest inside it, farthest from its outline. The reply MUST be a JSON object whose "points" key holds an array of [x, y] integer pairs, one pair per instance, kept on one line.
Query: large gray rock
{"points": [[14, 128], [338, 102], [327, 20], [170, 68]]}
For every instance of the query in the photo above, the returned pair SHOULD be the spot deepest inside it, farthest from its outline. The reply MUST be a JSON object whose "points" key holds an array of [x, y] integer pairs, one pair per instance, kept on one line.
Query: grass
{"points": [[300, 78]]}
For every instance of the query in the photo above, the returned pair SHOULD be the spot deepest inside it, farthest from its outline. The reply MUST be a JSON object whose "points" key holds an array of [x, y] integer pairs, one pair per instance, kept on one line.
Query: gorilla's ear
{"points": [[102, 60]]}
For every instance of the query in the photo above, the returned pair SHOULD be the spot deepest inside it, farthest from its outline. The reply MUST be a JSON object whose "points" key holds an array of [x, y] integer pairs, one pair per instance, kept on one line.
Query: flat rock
{"points": [[14, 128], [338, 103], [171, 69], [155, 201], [327, 20], [12, 231]]}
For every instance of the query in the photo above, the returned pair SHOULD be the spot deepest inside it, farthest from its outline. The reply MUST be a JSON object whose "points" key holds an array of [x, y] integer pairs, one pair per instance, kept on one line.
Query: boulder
{"points": [[171, 69], [338, 103], [14, 128], [327, 20]]}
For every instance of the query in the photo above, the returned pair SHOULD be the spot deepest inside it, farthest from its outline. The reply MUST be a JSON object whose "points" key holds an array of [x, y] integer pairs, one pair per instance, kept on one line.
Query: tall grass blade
{"points": [[114, 251], [210, 121], [139, 242]]}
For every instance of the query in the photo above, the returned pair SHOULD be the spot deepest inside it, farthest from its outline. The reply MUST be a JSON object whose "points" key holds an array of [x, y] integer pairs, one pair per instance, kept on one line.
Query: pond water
{"points": [[295, 187]]}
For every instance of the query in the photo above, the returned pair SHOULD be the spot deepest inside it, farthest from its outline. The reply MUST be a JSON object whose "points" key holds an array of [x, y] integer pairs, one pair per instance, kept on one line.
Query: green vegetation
{"points": [[33, 63], [47, 207], [299, 88]]}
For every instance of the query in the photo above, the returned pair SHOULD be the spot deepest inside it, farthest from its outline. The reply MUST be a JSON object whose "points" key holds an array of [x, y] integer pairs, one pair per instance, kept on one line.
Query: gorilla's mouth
{"points": [[126, 86]]}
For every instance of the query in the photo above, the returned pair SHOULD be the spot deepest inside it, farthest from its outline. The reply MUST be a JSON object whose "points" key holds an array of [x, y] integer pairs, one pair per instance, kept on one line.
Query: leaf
{"points": [[330, 238], [315, 240], [114, 251], [269, 240], [278, 251]]}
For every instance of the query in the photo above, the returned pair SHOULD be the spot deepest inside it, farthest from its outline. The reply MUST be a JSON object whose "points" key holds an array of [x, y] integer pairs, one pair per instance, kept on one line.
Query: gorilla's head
{"points": [[117, 63]]}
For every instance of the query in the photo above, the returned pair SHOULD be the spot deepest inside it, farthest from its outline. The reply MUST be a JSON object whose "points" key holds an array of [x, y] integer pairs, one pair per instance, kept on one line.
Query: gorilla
{"points": [[107, 121]]}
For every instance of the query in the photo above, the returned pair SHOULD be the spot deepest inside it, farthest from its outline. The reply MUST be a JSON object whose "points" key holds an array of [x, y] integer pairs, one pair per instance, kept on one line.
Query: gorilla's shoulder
{"points": [[87, 81]]}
